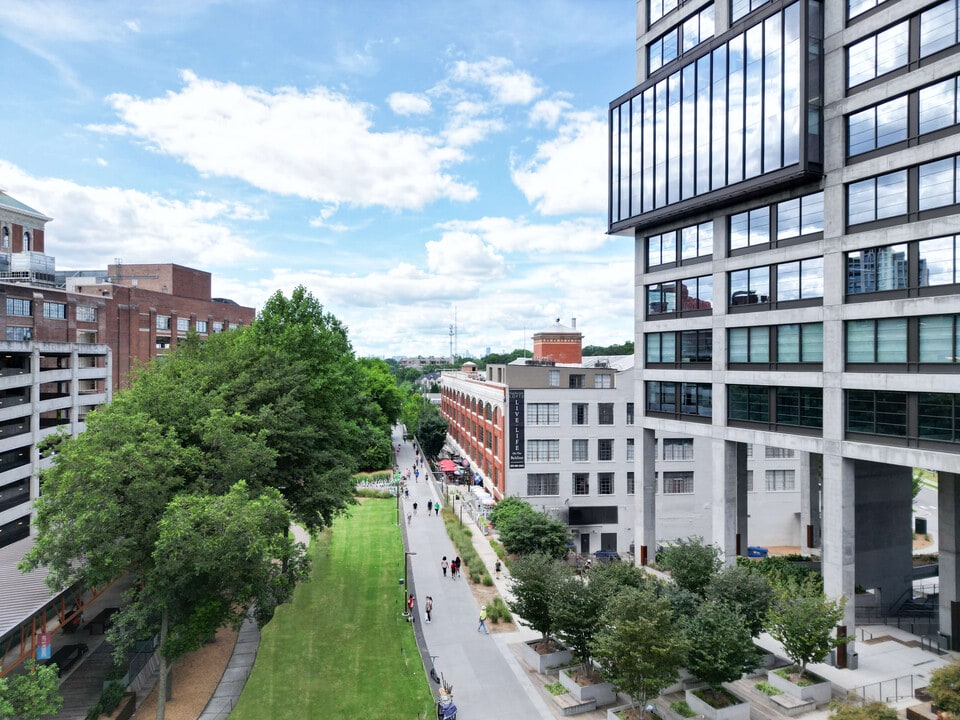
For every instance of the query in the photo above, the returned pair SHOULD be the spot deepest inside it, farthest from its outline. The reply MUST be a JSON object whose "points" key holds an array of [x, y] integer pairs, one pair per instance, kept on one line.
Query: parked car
{"points": [[607, 556]]}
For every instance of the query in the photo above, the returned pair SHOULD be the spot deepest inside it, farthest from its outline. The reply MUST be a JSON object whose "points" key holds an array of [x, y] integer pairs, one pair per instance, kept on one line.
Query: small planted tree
{"points": [[721, 649], [802, 619], [691, 564], [575, 609], [944, 688], [748, 592], [533, 578], [638, 647]]}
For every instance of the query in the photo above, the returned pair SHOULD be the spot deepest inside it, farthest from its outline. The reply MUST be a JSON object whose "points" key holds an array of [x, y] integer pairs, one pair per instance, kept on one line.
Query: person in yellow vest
{"points": [[482, 627]]}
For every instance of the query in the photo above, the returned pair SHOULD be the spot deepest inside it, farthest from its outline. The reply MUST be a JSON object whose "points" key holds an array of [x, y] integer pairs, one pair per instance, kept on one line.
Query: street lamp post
{"points": [[406, 587]]}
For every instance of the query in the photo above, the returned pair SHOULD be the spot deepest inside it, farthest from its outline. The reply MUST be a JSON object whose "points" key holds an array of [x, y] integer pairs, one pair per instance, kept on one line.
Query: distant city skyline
{"points": [[411, 164]]}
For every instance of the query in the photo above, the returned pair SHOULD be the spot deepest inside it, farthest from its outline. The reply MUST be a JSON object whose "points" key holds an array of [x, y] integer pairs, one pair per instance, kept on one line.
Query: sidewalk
{"points": [[486, 677]]}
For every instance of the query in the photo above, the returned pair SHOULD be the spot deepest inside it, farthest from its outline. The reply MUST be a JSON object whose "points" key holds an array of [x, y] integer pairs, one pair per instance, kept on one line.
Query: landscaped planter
{"points": [[740, 711], [543, 662], [602, 692], [820, 692], [612, 712]]}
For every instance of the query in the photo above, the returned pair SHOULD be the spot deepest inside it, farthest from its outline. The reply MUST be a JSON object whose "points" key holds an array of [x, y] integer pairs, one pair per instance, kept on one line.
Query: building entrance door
{"points": [[608, 541], [584, 543]]}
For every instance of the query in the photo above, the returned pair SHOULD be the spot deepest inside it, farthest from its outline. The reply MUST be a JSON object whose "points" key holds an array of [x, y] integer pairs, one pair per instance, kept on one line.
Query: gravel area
{"points": [[195, 677]]}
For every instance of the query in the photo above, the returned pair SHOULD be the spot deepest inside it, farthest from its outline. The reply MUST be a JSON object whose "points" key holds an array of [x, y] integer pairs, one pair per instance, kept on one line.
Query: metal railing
{"points": [[885, 691]]}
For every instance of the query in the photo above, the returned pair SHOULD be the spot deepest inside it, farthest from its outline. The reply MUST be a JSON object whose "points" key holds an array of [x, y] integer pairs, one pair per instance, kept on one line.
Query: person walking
{"points": [[444, 565], [429, 608], [496, 567], [436, 509], [414, 508], [429, 506], [456, 561], [409, 518], [482, 627]]}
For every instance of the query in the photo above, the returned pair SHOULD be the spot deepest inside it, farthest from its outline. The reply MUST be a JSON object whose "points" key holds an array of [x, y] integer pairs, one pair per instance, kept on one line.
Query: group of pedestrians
{"points": [[454, 566]]}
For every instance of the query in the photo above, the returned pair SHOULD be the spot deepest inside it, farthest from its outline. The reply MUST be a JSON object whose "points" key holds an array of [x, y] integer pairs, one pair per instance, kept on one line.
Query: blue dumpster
{"points": [[756, 551]]}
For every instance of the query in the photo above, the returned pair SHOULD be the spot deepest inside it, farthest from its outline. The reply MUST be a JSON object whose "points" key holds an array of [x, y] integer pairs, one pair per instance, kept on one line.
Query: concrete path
{"points": [[486, 677]]}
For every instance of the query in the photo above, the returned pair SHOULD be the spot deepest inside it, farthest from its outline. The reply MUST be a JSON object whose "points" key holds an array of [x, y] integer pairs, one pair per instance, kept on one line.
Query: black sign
{"points": [[516, 428]]}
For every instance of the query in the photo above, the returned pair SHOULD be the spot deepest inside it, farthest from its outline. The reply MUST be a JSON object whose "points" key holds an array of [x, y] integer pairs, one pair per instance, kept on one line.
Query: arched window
{"points": [[26, 241], [5, 238]]}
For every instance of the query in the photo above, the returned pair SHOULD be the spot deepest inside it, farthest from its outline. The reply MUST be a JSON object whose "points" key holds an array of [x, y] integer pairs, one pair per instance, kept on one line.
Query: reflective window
{"points": [[750, 286], [750, 228], [677, 449], [678, 483], [938, 261], [678, 40], [731, 115], [658, 8], [780, 480], [877, 126], [543, 483], [54, 310], [543, 413], [19, 306], [938, 105], [696, 399], [877, 198], [800, 280], [748, 402], [694, 346], [938, 183], [878, 54], [695, 294], [877, 412], [858, 7], [799, 406], [605, 449], [877, 269], [938, 339], [800, 216], [740, 8], [581, 450], [690, 242], [938, 416], [938, 28], [543, 450], [877, 341]]}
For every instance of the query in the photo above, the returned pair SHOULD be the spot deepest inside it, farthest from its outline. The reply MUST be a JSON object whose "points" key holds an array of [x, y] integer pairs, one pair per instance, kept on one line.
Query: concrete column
{"points": [[646, 500], [743, 522], [948, 519], [724, 489], [839, 539], [809, 471]]}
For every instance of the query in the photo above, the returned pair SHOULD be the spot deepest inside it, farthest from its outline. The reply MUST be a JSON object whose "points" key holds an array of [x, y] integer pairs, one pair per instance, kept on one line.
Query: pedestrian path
{"points": [[487, 680]]}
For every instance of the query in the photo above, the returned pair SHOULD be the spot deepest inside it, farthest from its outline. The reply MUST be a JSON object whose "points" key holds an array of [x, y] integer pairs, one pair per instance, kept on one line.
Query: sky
{"points": [[414, 164]]}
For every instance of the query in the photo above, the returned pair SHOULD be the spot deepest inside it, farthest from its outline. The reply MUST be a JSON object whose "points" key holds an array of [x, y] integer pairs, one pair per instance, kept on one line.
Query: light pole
{"points": [[406, 587]]}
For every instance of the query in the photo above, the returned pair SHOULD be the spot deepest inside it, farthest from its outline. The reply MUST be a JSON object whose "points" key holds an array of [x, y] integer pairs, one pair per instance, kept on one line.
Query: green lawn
{"points": [[341, 649]]}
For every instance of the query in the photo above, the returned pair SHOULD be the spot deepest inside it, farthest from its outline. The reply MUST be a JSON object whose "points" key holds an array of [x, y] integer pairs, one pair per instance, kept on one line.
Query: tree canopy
{"points": [[944, 688], [721, 648], [692, 564], [803, 619]]}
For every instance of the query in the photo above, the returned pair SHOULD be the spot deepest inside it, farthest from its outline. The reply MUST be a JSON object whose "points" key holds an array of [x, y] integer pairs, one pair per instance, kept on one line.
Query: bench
{"points": [[67, 656], [569, 705], [99, 625], [792, 706]]}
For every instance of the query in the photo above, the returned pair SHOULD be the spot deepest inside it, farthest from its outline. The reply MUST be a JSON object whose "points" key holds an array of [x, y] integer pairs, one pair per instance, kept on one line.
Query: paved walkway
{"points": [[487, 680]]}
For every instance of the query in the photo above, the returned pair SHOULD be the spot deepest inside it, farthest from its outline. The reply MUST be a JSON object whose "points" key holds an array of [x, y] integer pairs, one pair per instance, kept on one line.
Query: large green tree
{"points": [[748, 592], [637, 646], [31, 694], [535, 532], [216, 557], [692, 564], [575, 609]]}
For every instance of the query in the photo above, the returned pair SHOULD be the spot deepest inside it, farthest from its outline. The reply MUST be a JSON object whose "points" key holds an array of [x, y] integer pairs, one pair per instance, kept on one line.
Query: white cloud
{"points": [[94, 225], [567, 174], [520, 236], [101, 162], [403, 103], [462, 254], [316, 144], [549, 112], [507, 85], [132, 25]]}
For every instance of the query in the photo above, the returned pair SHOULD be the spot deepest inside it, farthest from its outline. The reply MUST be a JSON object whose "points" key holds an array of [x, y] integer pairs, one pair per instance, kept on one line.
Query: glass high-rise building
{"points": [[790, 172]]}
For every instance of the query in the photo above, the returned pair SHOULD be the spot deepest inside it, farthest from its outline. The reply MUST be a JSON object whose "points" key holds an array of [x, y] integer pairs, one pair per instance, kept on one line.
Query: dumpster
{"points": [[920, 525], [756, 551]]}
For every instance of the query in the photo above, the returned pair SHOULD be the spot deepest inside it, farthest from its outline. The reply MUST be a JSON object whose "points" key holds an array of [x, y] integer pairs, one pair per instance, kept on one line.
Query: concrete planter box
{"points": [[612, 712], [821, 692], [602, 692], [543, 663], [740, 711]]}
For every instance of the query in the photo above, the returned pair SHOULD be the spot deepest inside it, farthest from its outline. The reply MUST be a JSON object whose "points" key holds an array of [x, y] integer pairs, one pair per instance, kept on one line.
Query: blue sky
{"points": [[408, 162]]}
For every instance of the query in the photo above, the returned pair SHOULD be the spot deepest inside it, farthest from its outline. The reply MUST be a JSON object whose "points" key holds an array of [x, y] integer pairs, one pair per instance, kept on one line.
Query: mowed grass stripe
{"points": [[341, 649]]}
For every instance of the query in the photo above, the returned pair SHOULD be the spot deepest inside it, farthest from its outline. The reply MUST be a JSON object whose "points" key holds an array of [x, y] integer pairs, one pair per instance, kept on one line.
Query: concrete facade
{"points": [[791, 200]]}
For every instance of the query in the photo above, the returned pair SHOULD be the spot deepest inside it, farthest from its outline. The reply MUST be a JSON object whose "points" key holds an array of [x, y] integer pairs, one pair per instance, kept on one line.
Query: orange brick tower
{"points": [[559, 343]]}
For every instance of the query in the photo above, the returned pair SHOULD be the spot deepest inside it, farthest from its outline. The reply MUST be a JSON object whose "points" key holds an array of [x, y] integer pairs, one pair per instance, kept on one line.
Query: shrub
{"points": [[487, 580], [768, 689], [109, 699], [555, 688], [502, 611], [944, 688], [370, 493], [681, 708]]}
